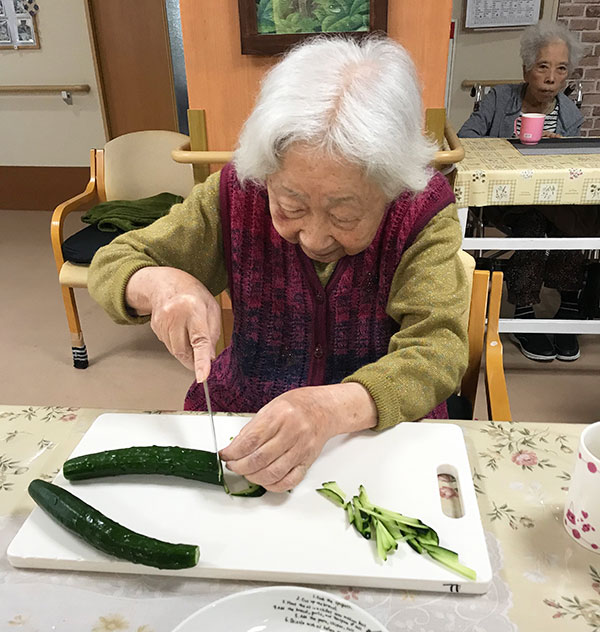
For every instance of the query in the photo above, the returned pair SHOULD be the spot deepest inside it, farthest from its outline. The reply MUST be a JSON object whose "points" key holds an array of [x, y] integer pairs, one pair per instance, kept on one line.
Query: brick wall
{"points": [[583, 17]]}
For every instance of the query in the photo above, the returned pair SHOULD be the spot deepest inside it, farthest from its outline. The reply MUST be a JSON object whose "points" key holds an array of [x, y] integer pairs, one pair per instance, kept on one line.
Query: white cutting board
{"points": [[297, 537]]}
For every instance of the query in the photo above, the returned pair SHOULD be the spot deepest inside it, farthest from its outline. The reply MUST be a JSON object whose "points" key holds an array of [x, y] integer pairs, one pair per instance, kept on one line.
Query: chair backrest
{"points": [[139, 164], [478, 288], [483, 335]]}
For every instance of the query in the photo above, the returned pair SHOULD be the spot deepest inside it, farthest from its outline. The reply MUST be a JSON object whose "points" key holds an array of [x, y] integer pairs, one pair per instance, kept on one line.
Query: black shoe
{"points": [[566, 347], [535, 346]]}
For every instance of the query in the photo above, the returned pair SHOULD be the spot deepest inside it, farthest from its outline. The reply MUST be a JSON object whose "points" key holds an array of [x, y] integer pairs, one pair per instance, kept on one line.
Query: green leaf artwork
{"points": [[278, 17]]}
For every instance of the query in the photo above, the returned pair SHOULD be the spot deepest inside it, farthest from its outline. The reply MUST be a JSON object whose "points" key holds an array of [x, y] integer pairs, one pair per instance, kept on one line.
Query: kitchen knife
{"points": [[214, 432]]}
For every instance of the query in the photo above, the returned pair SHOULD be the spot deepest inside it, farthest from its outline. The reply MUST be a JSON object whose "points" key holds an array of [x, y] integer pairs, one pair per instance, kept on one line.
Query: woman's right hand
{"points": [[183, 314]]}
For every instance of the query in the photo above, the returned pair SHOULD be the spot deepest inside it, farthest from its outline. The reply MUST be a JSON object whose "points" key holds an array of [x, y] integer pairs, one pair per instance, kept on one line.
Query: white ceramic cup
{"points": [[582, 507]]}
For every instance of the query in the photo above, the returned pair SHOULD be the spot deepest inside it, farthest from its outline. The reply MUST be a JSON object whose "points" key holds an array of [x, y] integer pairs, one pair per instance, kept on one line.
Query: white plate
{"points": [[280, 609]]}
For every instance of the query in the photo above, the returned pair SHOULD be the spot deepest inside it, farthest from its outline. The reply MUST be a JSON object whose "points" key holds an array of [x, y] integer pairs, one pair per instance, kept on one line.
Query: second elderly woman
{"points": [[549, 53], [338, 245]]}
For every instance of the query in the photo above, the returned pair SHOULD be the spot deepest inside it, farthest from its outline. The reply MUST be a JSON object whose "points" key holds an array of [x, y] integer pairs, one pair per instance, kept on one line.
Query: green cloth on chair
{"points": [[125, 215]]}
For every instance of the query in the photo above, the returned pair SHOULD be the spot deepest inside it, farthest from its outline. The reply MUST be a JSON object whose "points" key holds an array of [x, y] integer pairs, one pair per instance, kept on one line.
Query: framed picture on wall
{"points": [[5, 37], [18, 27], [268, 27]]}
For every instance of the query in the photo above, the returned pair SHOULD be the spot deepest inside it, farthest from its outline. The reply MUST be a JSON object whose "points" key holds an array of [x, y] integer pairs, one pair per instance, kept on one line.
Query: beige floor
{"points": [[129, 369]]}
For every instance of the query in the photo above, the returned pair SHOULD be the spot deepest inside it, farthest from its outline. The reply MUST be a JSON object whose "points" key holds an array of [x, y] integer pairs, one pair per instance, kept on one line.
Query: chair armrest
{"points": [[62, 210], [185, 155], [454, 154], [495, 380]]}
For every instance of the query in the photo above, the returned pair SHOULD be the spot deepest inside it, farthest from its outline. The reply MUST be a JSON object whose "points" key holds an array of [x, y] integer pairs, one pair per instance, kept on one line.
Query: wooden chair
{"points": [[129, 167], [484, 342]]}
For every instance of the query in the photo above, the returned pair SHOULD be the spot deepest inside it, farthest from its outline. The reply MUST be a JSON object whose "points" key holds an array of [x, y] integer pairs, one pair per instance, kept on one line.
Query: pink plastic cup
{"points": [[582, 507], [532, 126]]}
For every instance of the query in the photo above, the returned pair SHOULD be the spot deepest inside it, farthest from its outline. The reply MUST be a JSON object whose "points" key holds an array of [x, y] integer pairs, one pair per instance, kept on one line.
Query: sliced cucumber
{"points": [[252, 491], [105, 534], [389, 528], [336, 498]]}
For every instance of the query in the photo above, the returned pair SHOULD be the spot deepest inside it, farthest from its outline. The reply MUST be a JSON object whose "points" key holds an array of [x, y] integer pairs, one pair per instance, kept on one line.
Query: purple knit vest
{"points": [[289, 330]]}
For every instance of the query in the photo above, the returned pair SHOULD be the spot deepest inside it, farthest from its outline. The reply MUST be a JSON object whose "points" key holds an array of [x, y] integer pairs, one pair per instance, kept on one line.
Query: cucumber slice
{"points": [[105, 534], [335, 488], [450, 560], [333, 496], [252, 491]]}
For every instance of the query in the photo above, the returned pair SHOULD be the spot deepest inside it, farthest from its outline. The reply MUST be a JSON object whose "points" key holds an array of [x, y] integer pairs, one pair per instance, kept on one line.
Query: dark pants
{"points": [[528, 270]]}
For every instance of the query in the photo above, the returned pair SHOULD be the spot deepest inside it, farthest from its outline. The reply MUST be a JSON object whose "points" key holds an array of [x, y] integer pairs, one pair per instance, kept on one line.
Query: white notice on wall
{"points": [[501, 13]]}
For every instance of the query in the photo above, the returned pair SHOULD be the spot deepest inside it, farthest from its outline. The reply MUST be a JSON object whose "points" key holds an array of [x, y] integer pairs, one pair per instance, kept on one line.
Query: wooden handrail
{"points": [[82, 87], [470, 83]]}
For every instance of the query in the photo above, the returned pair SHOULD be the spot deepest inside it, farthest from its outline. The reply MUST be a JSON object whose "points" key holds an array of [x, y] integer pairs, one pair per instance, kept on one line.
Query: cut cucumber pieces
{"points": [[389, 527]]}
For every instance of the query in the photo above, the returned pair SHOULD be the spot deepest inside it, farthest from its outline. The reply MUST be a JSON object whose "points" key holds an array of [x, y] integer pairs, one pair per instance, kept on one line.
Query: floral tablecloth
{"points": [[542, 579], [494, 173]]}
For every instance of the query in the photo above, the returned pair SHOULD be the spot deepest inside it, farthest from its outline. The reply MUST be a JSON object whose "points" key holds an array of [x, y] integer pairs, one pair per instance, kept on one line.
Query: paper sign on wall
{"points": [[501, 13]]}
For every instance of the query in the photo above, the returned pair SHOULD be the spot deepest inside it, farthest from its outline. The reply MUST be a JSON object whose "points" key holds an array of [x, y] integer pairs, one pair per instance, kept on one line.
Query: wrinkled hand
{"points": [[547, 134], [184, 314], [278, 445]]}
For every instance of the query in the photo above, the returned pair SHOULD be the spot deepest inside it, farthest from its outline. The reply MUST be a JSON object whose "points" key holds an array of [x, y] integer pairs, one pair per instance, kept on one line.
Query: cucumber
{"points": [[198, 465], [107, 535], [390, 527]]}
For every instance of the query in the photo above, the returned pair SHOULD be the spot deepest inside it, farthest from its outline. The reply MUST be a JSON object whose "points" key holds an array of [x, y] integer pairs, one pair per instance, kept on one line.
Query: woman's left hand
{"points": [[548, 134], [278, 445]]}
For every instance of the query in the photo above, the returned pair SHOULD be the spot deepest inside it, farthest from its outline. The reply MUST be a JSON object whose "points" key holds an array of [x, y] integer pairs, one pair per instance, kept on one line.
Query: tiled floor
{"points": [[129, 368]]}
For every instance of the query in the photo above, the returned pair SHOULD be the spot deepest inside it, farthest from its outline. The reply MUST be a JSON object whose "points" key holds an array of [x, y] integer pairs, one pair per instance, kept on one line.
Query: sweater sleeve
{"points": [[480, 122], [429, 299], [188, 238]]}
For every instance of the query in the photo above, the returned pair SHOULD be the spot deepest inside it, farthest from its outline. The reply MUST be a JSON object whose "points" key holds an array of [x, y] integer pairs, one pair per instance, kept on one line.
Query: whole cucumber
{"points": [[105, 534]]}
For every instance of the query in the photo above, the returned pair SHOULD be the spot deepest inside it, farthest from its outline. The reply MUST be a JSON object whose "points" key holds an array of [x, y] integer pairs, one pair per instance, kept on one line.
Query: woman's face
{"points": [[327, 206], [549, 74]]}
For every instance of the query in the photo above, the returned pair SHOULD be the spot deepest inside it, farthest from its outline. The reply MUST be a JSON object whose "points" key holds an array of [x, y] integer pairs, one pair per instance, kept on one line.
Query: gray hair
{"points": [[535, 37], [358, 101]]}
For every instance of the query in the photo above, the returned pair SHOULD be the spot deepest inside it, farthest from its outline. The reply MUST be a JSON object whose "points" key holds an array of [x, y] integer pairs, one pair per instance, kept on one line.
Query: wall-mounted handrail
{"points": [[471, 83], [65, 91], [82, 87]]}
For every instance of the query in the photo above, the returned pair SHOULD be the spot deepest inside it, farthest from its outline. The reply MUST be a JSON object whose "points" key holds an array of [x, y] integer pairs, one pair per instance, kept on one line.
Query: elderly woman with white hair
{"points": [[338, 244], [549, 52]]}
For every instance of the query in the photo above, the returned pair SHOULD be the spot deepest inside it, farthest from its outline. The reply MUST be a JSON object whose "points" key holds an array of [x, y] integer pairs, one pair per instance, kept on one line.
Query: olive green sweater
{"points": [[428, 299]]}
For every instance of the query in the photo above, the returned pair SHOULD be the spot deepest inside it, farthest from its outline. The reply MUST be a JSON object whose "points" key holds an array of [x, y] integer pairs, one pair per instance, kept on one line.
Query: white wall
{"points": [[484, 55], [42, 130]]}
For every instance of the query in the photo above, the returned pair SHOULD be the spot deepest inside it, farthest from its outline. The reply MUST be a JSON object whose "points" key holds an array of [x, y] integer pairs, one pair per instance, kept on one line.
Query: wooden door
{"points": [[131, 46]]}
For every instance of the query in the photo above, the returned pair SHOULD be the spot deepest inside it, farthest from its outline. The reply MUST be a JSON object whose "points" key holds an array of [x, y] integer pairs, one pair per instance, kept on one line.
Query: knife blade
{"points": [[214, 432]]}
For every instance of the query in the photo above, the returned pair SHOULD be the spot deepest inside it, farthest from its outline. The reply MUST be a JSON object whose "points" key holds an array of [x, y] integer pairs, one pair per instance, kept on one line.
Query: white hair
{"points": [[538, 36], [358, 101]]}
